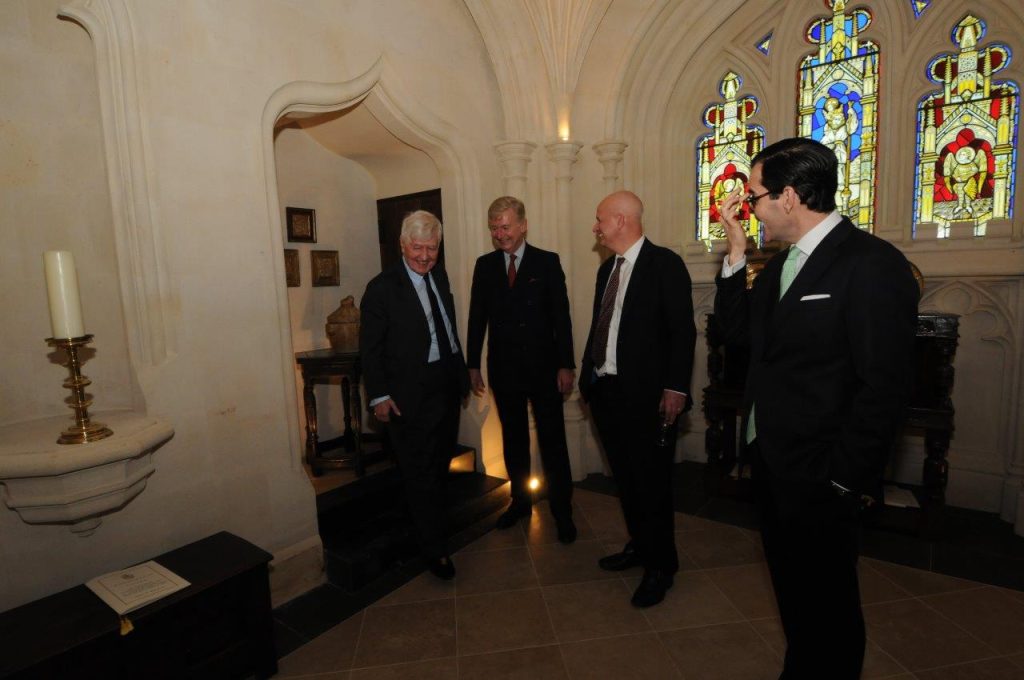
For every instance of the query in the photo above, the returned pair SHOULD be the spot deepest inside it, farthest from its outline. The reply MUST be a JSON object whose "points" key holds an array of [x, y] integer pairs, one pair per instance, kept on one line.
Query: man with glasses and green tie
{"points": [[830, 324]]}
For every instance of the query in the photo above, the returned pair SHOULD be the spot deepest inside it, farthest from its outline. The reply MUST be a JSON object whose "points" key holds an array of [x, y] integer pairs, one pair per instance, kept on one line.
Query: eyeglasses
{"points": [[752, 200]]}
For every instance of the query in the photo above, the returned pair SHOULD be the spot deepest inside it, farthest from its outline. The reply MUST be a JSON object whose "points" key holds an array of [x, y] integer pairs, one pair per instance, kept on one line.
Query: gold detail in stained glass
{"points": [[966, 135], [723, 158], [838, 104]]}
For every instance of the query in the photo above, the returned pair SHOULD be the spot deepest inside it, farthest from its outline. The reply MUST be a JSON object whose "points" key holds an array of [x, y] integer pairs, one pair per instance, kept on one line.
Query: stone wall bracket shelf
{"points": [[46, 483]]}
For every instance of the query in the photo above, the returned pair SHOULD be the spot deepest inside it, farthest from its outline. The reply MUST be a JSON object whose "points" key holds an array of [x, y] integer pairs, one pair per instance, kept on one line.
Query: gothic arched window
{"points": [[838, 104], [723, 158], [966, 136]]}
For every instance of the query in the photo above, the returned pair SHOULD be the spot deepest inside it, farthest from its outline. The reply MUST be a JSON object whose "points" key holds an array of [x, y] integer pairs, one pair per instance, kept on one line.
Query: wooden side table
{"points": [[322, 366]]}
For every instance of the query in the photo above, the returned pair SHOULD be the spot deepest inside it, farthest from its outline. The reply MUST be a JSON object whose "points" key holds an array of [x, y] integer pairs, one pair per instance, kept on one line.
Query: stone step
{"points": [[366, 531]]}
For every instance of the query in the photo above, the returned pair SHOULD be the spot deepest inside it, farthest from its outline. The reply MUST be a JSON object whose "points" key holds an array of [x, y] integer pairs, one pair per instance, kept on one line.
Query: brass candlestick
{"points": [[82, 431]]}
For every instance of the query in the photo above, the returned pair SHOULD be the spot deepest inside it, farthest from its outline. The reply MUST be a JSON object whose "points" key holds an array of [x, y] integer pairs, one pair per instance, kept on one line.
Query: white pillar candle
{"points": [[62, 290]]}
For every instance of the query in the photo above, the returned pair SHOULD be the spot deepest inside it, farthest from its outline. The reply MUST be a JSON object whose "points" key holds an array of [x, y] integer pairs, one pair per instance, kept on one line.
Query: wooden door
{"points": [[390, 213]]}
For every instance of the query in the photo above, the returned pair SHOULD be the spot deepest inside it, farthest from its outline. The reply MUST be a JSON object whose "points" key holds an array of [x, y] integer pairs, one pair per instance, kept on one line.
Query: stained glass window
{"points": [[919, 6], [967, 135], [838, 104], [764, 45], [723, 158]]}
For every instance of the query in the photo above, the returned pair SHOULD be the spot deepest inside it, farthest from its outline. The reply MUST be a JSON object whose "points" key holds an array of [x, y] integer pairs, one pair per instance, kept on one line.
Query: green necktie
{"points": [[788, 270], [785, 281]]}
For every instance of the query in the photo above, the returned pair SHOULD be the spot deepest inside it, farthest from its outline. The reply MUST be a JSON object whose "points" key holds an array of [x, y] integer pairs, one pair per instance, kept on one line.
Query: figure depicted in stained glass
{"points": [[725, 184], [840, 124], [963, 173], [723, 158], [839, 104], [966, 135]]}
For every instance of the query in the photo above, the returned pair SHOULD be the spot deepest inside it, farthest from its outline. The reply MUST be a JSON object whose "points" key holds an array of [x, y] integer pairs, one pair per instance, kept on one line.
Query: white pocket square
{"points": [[817, 296]]}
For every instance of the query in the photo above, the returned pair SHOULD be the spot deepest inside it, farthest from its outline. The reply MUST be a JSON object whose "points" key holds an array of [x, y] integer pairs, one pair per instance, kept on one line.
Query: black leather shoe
{"points": [[442, 567], [620, 561], [514, 513], [652, 589], [566, 530]]}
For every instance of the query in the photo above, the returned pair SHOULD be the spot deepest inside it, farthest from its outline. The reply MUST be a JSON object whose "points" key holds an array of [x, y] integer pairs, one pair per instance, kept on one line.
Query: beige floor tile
{"points": [[406, 632], [496, 539], [917, 581], [687, 522], [988, 613], [591, 499], [557, 563], [693, 600], [711, 548], [501, 621], [770, 630], [989, 669], [541, 527], [495, 570], [424, 587], [875, 587], [434, 669], [607, 523], [581, 611], [877, 664], [918, 637], [536, 663], [330, 651], [748, 587], [627, 657], [733, 651]]}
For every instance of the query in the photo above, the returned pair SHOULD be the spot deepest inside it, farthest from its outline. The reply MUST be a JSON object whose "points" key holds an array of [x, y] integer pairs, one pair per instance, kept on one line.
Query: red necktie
{"points": [[511, 269]]}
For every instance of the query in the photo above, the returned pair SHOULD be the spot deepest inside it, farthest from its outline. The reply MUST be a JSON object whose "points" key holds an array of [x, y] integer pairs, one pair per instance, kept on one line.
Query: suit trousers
{"points": [[629, 430], [811, 539], [554, 455], [424, 444]]}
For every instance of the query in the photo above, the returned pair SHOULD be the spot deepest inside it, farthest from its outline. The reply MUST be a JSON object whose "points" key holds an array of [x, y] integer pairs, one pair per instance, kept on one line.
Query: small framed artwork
{"points": [[324, 265], [301, 224], [291, 268]]}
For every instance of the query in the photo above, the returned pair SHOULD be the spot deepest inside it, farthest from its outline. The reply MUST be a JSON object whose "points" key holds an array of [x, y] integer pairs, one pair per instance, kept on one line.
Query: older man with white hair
{"points": [[415, 375]]}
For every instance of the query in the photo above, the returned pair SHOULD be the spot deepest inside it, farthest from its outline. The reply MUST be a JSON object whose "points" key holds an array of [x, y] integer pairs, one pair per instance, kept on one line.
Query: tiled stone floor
{"points": [[525, 606]]}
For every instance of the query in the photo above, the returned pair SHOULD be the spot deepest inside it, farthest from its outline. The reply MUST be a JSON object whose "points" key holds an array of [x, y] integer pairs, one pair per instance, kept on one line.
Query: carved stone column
{"points": [[609, 153], [563, 155], [515, 157]]}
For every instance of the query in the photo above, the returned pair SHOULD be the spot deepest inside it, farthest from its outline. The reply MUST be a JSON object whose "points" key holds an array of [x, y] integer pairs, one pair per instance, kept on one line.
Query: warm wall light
{"points": [[563, 118], [534, 483]]}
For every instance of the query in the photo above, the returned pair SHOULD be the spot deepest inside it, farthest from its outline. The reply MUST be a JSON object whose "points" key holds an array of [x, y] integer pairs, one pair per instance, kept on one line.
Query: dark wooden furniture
{"points": [[218, 627], [326, 366], [930, 413]]}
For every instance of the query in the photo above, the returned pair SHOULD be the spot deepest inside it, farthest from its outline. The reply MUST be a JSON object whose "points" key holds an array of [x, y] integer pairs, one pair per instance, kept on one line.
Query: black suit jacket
{"points": [[529, 332], [394, 338], [654, 350], [831, 362]]}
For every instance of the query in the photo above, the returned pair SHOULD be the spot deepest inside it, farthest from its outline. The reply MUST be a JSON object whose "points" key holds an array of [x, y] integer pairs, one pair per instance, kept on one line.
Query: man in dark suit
{"points": [[635, 376], [519, 299], [415, 376], [830, 324]]}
